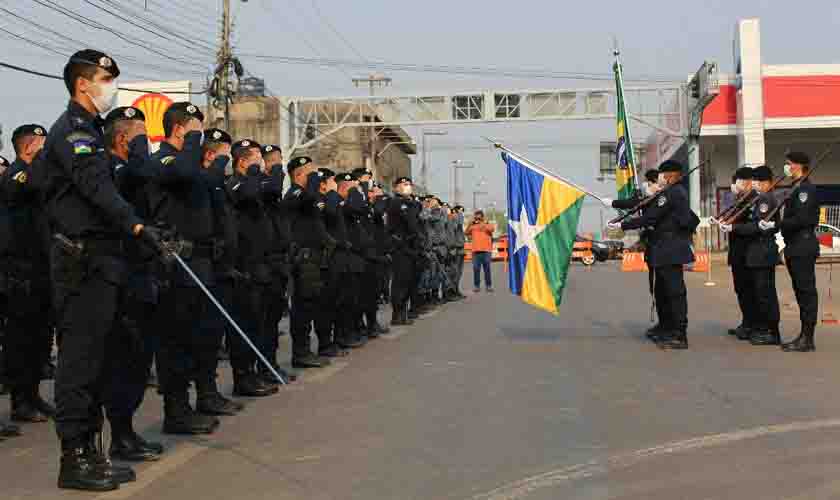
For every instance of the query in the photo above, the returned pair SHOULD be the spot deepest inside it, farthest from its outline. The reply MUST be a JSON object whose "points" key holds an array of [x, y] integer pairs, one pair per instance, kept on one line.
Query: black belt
{"points": [[114, 248]]}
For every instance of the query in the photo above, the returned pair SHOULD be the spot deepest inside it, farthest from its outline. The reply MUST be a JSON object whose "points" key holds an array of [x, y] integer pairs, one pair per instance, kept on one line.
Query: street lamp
{"points": [[456, 192], [477, 192], [423, 169]]}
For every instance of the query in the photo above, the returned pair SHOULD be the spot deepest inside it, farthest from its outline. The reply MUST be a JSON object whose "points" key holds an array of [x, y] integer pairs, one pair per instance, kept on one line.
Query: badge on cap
{"points": [[130, 112], [803, 197], [245, 144], [20, 177], [105, 62], [269, 149], [217, 135], [303, 161], [763, 208], [661, 201], [191, 109], [39, 131]]}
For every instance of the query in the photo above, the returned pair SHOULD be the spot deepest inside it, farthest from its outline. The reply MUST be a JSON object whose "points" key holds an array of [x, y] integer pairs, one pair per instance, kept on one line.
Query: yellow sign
{"points": [[823, 215]]}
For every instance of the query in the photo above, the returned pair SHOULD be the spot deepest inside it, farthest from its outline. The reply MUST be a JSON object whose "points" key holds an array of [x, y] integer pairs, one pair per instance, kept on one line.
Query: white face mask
{"points": [[107, 98], [406, 190], [734, 188], [788, 170], [650, 189], [661, 180]]}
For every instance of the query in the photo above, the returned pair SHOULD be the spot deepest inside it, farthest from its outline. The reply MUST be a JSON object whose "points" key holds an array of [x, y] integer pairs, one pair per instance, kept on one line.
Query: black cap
{"points": [[124, 113], [652, 175], [30, 129], [762, 173], [271, 148], [445, 205], [298, 162], [401, 180], [186, 107], [670, 166], [4, 162], [245, 144], [798, 157], [217, 135], [325, 173], [95, 58], [744, 174], [345, 177], [361, 171], [458, 208]]}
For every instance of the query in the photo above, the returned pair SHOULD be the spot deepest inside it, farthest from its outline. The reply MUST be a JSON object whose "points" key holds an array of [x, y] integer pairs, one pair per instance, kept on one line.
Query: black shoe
{"points": [[179, 418], [765, 337], [804, 343], [249, 385], [734, 331], [133, 448], [269, 378], [48, 371], [378, 329], [654, 332], [310, 361], [744, 333], [675, 341], [25, 411], [331, 351], [9, 430], [350, 341], [119, 473], [217, 405], [414, 314], [80, 472]]}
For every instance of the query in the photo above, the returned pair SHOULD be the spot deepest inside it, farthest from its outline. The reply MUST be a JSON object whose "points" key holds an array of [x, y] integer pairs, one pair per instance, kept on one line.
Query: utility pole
{"points": [[224, 58], [373, 81]]}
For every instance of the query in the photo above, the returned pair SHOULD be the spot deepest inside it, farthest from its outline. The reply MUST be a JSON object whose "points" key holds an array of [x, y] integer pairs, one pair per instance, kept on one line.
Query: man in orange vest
{"points": [[480, 233]]}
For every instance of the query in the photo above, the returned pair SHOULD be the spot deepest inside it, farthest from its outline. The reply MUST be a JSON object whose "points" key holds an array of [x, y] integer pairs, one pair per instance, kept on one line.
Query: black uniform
{"points": [[278, 260], [761, 255], [672, 222], [801, 217], [737, 259], [28, 336], [404, 228], [83, 204], [192, 329], [310, 243], [383, 247]]}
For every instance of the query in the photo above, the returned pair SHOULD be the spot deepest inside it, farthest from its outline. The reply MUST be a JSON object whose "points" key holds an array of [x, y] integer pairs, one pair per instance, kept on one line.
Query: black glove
{"points": [[153, 237], [253, 170]]}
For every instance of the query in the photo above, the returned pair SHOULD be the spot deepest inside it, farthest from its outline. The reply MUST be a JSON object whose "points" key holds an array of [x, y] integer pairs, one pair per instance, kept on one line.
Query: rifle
{"points": [[749, 204], [649, 199], [737, 204], [811, 170]]}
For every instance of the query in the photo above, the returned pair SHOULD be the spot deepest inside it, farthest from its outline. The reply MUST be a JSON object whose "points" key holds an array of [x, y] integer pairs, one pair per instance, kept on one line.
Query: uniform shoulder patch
{"points": [[238, 184], [118, 166], [20, 177], [167, 160], [661, 201], [803, 197], [82, 142]]}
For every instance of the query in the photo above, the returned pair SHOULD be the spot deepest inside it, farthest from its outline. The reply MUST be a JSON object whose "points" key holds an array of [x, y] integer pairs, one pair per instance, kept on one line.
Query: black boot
{"points": [[309, 360], [130, 447], [399, 317], [24, 410], [763, 336], [213, 403], [331, 351], [79, 472], [677, 341], [744, 333], [803, 343], [249, 385], [734, 331], [121, 474], [179, 418], [656, 331], [269, 379]]}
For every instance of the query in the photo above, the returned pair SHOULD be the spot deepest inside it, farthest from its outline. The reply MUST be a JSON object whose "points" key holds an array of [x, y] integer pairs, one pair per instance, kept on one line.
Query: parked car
{"points": [[599, 251], [616, 248]]}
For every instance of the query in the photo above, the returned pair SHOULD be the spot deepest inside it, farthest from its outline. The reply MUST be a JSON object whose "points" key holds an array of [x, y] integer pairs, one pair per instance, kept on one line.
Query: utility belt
{"points": [[802, 233], [104, 247]]}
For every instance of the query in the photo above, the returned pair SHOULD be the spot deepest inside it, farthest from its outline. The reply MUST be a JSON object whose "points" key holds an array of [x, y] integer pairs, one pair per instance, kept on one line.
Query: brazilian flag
{"points": [[625, 159]]}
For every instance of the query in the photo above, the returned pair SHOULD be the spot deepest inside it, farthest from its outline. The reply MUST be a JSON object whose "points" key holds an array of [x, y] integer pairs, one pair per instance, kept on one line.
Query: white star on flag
{"points": [[526, 233]]}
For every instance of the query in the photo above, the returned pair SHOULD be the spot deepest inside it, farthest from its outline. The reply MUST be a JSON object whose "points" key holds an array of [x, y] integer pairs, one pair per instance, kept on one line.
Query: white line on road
{"points": [[523, 487]]}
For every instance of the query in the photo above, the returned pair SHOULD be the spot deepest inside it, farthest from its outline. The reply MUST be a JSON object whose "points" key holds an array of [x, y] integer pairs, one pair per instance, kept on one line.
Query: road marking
{"points": [[180, 456], [523, 487]]}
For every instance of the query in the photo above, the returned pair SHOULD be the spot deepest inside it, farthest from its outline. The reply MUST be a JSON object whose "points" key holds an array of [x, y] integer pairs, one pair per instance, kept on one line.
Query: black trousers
{"points": [[28, 336], [659, 301], [250, 301], [671, 293], [191, 335], [87, 300], [132, 345], [369, 289], [745, 295], [765, 300], [307, 287], [277, 308], [803, 274], [404, 278]]}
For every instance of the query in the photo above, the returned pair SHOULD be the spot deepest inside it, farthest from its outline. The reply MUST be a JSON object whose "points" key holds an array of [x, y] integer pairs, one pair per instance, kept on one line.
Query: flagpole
{"points": [[619, 75], [541, 170]]}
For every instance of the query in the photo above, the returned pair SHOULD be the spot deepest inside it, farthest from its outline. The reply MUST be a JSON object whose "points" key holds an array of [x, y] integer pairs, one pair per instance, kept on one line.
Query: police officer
{"points": [[801, 217], [742, 189], [278, 254], [6, 430], [380, 267], [357, 213], [760, 259], [403, 225], [247, 189], [88, 266], [133, 344], [458, 241], [650, 187], [310, 243], [673, 222], [182, 198], [28, 330]]}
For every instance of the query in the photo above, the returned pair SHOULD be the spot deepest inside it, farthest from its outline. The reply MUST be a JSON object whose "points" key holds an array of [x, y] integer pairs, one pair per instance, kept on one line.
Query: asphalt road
{"points": [[491, 399]]}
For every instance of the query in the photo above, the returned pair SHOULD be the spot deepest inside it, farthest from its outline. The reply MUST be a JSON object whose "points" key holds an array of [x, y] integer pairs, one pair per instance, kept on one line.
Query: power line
{"points": [[205, 25], [332, 28]]}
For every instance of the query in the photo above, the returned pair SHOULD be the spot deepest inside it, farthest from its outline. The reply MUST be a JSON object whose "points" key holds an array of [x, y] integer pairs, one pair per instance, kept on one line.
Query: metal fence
{"points": [[830, 214]]}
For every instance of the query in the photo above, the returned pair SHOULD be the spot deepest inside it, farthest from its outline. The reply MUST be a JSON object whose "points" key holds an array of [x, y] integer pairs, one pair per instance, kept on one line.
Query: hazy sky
{"points": [[657, 38]]}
